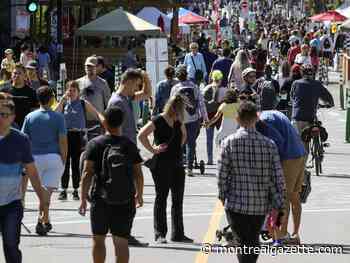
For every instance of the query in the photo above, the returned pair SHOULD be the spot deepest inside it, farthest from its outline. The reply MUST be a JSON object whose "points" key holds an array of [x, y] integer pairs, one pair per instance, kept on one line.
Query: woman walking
{"points": [[169, 135], [74, 110], [228, 111], [241, 63]]}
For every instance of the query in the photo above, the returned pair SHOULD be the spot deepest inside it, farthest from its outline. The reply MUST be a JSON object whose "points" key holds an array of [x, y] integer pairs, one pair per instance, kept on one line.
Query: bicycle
{"points": [[315, 136]]}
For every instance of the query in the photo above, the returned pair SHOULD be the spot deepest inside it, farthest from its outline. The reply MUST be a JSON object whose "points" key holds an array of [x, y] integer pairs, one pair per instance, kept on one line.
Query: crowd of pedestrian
{"points": [[259, 91]]}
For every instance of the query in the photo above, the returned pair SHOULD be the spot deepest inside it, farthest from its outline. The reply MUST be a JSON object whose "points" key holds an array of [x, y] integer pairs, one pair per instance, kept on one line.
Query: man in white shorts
{"points": [[47, 131]]}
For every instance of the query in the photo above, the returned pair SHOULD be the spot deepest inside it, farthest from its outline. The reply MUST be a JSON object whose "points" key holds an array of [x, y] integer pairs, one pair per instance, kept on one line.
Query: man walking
{"points": [[195, 64], [47, 131], [115, 194], [292, 155], [15, 155], [250, 180], [93, 89]]}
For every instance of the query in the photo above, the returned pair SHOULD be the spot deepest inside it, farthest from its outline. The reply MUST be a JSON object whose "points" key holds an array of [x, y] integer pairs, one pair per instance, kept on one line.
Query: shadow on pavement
{"points": [[340, 176]]}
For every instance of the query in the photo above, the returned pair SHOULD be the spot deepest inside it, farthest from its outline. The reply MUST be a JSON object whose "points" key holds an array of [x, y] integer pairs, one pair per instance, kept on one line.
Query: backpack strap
{"points": [[84, 110], [104, 167], [194, 64]]}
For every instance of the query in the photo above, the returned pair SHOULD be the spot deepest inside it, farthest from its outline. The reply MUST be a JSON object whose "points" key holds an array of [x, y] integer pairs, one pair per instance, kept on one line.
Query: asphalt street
{"points": [[325, 220]]}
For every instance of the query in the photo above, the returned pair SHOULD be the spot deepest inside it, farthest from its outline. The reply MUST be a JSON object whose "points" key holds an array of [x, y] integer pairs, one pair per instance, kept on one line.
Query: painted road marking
{"points": [[210, 235]]}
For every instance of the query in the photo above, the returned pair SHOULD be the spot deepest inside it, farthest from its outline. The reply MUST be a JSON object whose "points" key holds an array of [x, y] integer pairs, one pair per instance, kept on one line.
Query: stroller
{"points": [[201, 164]]}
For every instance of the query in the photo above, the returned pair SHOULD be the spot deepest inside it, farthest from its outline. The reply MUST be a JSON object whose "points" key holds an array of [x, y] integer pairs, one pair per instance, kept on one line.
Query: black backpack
{"points": [[116, 183], [327, 43], [268, 96], [189, 93]]}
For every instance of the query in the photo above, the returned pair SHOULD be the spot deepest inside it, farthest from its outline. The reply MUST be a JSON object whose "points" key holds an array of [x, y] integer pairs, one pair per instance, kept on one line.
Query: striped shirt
{"points": [[250, 177]]}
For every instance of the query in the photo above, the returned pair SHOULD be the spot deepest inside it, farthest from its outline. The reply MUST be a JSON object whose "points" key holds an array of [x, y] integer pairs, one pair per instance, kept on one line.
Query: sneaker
{"points": [[189, 172], [48, 227], [136, 243], [63, 196], [182, 239], [161, 240], [210, 163], [75, 195], [40, 229]]}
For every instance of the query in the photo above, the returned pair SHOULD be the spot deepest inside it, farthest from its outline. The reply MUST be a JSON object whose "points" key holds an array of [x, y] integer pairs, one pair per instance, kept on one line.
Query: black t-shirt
{"points": [[96, 147], [109, 77], [171, 136], [23, 105]]}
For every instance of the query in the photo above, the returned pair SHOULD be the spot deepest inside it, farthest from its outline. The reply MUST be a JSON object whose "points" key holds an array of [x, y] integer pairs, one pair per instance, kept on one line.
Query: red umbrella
{"points": [[191, 18], [333, 16]]}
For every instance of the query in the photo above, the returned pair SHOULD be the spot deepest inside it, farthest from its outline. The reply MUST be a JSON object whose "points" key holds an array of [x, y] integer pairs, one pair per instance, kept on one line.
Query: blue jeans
{"points": [[192, 129], [210, 141], [10, 220]]}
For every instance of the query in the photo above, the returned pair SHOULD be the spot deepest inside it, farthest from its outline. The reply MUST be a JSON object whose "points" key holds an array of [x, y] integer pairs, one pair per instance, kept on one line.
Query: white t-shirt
{"points": [[300, 59]]}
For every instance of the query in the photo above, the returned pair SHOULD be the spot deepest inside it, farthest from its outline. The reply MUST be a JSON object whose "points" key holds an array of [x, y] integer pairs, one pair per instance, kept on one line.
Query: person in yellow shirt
{"points": [[8, 62], [228, 111]]}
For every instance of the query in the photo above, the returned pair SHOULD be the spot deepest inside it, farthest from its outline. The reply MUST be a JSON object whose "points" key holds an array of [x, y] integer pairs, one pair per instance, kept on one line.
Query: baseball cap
{"points": [[32, 64], [247, 71], [9, 51], [91, 61]]}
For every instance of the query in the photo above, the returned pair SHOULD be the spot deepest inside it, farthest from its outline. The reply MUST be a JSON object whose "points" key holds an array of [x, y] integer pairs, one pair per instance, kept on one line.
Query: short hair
{"points": [[100, 61], [6, 101], [44, 95], [131, 74], [169, 72], [114, 116], [20, 66], [194, 45], [226, 52], [231, 96], [73, 84], [247, 112]]}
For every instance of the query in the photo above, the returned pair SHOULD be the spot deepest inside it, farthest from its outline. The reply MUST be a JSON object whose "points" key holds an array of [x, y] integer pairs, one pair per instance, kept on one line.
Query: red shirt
{"points": [[292, 53]]}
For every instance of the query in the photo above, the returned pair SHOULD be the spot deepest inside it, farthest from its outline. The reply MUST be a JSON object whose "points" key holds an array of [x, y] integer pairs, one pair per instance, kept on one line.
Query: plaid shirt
{"points": [[250, 177]]}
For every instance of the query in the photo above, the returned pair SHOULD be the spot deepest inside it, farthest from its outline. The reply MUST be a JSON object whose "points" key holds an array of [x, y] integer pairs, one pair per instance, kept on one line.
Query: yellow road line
{"points": [[210, 235]]}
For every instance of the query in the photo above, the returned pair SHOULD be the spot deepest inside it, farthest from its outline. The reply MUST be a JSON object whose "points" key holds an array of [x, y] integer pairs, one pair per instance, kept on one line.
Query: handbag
{"points": [[151, 163], [198, 74]]}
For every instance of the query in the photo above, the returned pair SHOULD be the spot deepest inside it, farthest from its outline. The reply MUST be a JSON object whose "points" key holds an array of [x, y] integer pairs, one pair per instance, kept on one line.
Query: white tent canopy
{"points": [[152, 14], [344, 11], [118, 23]]}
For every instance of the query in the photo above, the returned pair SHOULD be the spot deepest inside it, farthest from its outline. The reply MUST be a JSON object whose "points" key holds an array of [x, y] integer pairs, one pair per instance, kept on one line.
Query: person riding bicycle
{"points": [[305, 95]]}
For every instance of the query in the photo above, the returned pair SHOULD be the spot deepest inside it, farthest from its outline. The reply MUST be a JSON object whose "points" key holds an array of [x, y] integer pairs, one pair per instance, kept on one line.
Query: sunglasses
{"points": [[5, 115]]}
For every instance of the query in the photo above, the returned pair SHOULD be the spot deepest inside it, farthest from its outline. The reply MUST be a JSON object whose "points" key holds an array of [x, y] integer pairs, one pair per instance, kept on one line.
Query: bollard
{"points": [[341, 86], [347, 129]]}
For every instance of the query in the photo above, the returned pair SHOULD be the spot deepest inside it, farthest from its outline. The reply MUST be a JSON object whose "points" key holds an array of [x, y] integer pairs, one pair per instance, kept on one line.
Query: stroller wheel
{"points": [[202, 166], [265, 235], [218, 235]]}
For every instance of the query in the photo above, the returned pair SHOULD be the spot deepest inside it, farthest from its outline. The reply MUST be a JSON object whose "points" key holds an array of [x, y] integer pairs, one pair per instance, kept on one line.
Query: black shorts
{"points": [[116, 219], [328, 54]]}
